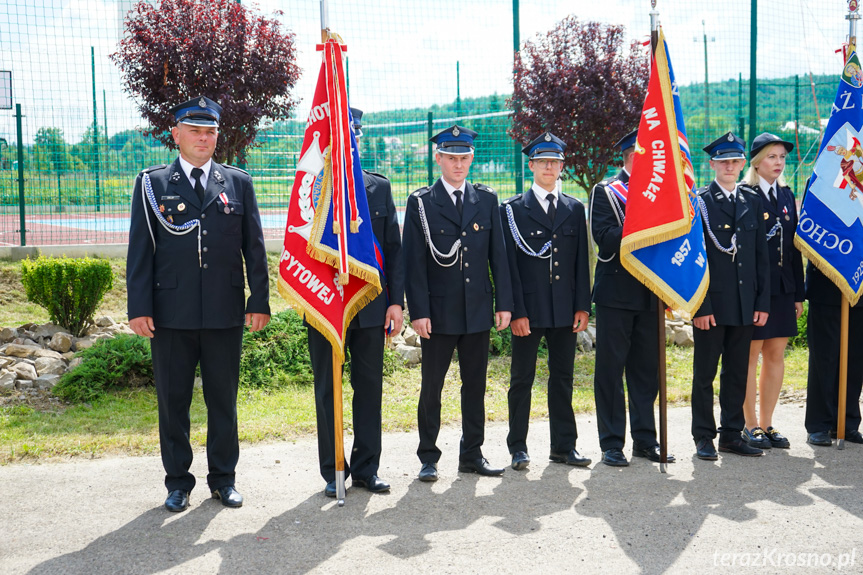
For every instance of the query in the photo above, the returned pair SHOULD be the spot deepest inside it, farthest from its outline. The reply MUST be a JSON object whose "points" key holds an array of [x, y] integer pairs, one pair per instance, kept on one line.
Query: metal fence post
{"points": [[797, 130], [95, 132], [23, 221], [429, 159], [518, 166], [753, 71]]}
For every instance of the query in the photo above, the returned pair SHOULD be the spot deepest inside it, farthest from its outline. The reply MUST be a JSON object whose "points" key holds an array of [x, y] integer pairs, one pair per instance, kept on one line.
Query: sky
{"points": [[402, 53]]}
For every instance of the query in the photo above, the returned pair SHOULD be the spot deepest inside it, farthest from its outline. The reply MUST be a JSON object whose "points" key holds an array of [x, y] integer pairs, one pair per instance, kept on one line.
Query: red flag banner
{"points": [[328, 270]]}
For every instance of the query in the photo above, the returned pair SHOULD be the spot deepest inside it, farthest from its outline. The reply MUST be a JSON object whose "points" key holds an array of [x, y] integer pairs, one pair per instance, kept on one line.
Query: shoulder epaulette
{"points": [[746, 188], [571, 197], [514, 198], [422, 191], [154, 168], [235, 168], [371, 173], [702, 191], [484, 188]]}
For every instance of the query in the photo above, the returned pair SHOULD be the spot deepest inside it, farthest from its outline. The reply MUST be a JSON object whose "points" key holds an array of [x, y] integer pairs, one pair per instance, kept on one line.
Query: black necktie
{"points": [[551, 209], [199, 189], [773, 196], [458, 204]]}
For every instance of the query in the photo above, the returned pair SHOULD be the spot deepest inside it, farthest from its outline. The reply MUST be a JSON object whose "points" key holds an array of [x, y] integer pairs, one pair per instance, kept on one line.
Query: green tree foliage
{"points": [[51, 151], [69, 289]]}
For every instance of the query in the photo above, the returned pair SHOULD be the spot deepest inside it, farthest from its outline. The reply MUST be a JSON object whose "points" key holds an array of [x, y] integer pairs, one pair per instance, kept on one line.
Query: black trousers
{"points": [[626, 341], [473, 362], [176, 354], [822, 390], [561, 355], [732, 344], [366, 348]]}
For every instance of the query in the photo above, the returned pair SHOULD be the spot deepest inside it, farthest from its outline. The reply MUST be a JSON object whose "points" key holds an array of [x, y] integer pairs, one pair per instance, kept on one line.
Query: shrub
{"points": [[799, 340], [277, 352], [69, 289], [111, 363]]}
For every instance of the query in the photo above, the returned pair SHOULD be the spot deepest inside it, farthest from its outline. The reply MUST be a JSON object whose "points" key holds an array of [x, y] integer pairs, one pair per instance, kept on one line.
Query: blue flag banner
{"points": [[830, 227], [674, 268]]}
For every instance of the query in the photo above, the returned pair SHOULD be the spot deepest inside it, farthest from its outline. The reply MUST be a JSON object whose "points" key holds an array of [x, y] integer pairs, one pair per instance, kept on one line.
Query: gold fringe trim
{"points": [[828, 270], [355, 226], [658, 286], [343, 279], [680, 227]]}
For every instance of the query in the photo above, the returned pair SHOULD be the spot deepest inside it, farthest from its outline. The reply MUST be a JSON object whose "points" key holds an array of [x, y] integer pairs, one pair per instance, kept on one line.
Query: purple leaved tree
{"points": [[582, 83], [174, 50]]}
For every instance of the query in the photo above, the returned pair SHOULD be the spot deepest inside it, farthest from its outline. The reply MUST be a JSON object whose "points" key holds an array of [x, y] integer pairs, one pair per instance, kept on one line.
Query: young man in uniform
{"points": [[452, 236], [548, 260]]}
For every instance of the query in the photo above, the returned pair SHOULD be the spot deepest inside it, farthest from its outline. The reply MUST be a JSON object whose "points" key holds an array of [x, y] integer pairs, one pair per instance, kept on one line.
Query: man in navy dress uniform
{"points": [[364, 340], [626, 329], [548, 262], [737, 300], [452, 236], [194, 224]]}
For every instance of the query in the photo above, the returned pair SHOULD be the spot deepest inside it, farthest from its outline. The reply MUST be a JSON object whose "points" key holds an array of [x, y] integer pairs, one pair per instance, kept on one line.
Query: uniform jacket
{"points": [[167, 283], [459, 298], [739, 287], [385, 224], [787, 278], [548, 291], [613, 285]]}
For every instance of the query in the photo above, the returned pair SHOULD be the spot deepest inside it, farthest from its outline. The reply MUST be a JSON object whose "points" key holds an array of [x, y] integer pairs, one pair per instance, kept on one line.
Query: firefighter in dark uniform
{"points": [[548, 262], [364, 340], [194, 225], [452, 236], [822, 389], [737, 300], [626, 329]]}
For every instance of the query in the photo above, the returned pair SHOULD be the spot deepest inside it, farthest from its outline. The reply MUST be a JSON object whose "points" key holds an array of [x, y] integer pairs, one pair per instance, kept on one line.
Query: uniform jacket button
{"points": [[205, 249], [204, 233], [464, 233], [206, 266], [467, 280], [557, 277], [203, 216], [466, 264]]}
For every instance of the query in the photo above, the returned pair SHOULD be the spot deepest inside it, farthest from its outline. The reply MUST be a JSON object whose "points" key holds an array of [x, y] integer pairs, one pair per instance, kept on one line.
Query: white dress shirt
{"points": [[187, 169]]}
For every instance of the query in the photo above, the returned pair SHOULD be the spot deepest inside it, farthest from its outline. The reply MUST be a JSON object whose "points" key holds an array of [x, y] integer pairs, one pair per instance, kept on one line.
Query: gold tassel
{"points": [[355, 226], [343, 279]]}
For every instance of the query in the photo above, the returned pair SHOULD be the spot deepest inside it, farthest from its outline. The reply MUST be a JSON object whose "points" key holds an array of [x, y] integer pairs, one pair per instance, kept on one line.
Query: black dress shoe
{"points": [[776, 438], [229, 496], [428, 472], [520, 459], [821, 438], [178, 500], [373, 483], [614, 457], [480, 466], [651, 453], [854, 436], [704, 450], [739, 447], [330, 489], [572, 457]]}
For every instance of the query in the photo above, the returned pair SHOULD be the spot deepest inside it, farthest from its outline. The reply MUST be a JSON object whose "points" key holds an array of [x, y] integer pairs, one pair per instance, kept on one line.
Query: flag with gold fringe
{"points": [[663, 242], [830, 227], [330, 266]]}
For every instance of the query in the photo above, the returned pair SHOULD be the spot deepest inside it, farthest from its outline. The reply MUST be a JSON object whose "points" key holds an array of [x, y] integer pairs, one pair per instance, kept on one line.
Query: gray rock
{"points": [[47, 330], [24, 384], [50, 366], [7, 380], [84, 342], [75, 362], [24, 341], [46, 381], [24, 371], [7, 334], [411, 337], [409, 354], [398, 340], [5, 362], [68, 356], [47, 353], [683, 337], [591, 332], [584, 342], [105, 321], [61, 342], [19, 350]]}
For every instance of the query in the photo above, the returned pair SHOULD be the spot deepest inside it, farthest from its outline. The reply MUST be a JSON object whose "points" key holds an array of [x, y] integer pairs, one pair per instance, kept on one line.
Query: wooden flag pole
{"points": [[843, 373], [660, 307], [338, 417]]}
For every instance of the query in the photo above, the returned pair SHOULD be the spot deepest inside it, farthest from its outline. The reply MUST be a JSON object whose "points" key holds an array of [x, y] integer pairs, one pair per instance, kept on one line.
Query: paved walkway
{"points": [[791, 511]]}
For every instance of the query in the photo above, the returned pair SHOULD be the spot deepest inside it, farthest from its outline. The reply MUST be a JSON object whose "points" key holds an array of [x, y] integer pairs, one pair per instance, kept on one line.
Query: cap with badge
{"points": [[547, 146], [626, 142], [766, 139], [726, 147], [455, 140], [200, 111], [357, 125]]}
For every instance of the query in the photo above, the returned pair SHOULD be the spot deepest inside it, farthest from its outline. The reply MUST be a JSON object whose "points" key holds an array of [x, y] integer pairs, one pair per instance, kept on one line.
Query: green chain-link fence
{"points": [[411, 64]]}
